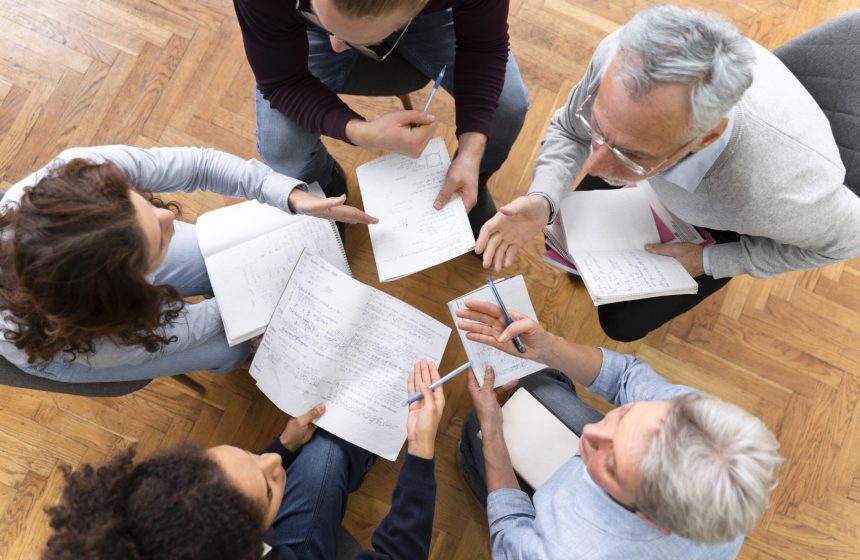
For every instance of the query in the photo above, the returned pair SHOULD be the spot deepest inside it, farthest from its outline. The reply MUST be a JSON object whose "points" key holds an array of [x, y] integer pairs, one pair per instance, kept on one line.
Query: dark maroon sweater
{"points": [[276, 42]]}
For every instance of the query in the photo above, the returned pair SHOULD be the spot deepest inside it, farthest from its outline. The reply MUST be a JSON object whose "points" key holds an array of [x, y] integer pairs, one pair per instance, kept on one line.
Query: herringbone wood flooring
{"points": [[173, 72]]}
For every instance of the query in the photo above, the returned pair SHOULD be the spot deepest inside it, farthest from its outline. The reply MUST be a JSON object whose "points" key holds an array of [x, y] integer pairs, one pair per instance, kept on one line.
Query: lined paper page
{"points": [[628, 275], [334, 340], [249, 278], [412, 235]]}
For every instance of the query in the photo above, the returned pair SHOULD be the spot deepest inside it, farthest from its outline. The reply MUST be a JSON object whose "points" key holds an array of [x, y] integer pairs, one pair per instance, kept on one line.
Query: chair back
{"points": [[826, 60], [11, 376], [392, 76]]}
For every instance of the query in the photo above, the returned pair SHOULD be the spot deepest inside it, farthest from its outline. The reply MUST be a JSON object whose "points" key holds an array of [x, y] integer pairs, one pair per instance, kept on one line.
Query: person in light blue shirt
{"points": [[94, 268], [668, 474]]}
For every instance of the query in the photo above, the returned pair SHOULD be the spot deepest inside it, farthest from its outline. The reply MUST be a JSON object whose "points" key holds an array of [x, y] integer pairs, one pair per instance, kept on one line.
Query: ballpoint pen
{"points": [[517, 342], [419, 395], [436, 85]]}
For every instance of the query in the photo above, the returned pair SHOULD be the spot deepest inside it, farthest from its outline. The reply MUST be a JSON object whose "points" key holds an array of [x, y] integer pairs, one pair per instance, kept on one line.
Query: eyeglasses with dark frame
{"points": [[366, 50], [600, 140]]}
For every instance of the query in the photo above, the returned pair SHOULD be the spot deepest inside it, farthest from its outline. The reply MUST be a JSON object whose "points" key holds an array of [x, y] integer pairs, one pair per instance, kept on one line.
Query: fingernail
{"points": [[503, 338], [437, 205]]}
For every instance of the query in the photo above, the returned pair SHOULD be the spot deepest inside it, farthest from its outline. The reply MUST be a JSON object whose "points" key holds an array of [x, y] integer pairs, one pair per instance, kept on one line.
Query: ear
{"points": [[708, 138], [663, 531]]}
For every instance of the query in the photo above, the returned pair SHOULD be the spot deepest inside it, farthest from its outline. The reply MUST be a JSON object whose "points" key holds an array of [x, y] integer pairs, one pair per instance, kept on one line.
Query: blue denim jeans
{"points": [[428, 44], [183, 267], [325, 471], [556, 392]]}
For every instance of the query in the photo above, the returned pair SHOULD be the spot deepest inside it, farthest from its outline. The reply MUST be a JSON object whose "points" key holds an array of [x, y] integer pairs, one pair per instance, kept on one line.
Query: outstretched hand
{"points": [[300, 430], [514, 225], [333, 208]]}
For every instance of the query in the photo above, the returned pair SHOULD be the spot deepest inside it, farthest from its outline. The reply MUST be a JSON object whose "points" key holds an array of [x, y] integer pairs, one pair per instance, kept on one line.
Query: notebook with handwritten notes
{"points": [[604, 233], [412, 235], [249, 250], [337, 341]]}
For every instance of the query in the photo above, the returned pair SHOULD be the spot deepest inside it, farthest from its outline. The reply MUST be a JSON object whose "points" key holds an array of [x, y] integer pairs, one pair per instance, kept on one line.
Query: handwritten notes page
{"points": [[249, 250], [605, 233], [514, 293], [335, 340], [412, 235]]}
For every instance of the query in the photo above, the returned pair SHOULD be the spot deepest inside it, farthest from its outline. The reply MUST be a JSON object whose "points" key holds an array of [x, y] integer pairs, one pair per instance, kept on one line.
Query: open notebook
{"points": [[515, 296], [335, 340], [249, 250], [412, 235], [601, 235], [538, 442]]}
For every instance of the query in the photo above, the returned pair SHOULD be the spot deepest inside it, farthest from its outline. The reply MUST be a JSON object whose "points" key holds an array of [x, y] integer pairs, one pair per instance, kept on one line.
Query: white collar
{"points": [[690, 171]]}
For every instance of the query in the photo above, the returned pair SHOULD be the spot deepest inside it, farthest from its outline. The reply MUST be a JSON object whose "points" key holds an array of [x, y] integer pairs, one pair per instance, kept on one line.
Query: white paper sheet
{"points": [[335, 340], [538, 442], [515, 295], [411, 235], [613, 220]]}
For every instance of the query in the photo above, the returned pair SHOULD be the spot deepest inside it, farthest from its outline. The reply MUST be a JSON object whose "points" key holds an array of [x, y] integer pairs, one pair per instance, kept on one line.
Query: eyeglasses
{"points": [[377, 52], [600, 140]]}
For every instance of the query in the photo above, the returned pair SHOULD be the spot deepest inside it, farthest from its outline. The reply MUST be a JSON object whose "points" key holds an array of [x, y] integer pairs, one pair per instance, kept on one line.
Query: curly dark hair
{"points": [[73, 265], [177, 505]]}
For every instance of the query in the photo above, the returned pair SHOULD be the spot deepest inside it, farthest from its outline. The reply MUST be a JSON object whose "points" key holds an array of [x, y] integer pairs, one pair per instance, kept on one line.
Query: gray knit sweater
{"points": [[778, 182]]}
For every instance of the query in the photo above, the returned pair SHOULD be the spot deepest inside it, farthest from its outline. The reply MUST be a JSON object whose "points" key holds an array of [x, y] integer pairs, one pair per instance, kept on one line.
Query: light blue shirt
{"points": [[165, 170], [570, 517], [689, 172]]}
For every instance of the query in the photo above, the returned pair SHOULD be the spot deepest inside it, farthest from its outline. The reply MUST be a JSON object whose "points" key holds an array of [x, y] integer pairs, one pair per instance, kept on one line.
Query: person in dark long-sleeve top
{"points": [[284, 503], [304, 52]]}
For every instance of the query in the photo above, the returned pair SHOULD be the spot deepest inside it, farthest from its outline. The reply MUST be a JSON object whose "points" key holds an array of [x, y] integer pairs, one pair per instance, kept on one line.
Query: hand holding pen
{"points": [[519, 345], [484, 322], [426, 412]]}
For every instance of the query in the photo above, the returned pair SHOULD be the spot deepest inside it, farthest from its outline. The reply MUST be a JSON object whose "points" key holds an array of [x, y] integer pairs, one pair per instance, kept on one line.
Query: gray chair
{"points": [[14, 377], [826, 60], [393, 76]]}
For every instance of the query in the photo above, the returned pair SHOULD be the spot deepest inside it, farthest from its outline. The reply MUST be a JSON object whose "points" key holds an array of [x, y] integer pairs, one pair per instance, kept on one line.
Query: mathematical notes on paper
{"points": [[412, 235], [335, 340], [515, 295], [249, 250]]}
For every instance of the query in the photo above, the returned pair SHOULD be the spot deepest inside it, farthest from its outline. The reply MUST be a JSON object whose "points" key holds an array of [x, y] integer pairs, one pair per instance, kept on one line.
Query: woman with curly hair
{"points": [[287, 502], [93, 267]]}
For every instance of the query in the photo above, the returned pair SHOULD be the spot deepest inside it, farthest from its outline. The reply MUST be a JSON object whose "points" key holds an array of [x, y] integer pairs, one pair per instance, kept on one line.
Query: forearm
{"points": [[497, 461], [579, 362], [471, 147], [761, 257]]}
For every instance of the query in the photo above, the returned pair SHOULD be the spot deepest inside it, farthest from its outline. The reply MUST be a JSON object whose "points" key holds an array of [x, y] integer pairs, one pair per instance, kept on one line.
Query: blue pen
{"points": [[419, 395], [435, 87], [517, 342]]}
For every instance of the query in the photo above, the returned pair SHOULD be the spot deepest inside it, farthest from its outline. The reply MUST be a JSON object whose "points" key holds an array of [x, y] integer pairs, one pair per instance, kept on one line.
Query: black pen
{"points": [[520, 348]]}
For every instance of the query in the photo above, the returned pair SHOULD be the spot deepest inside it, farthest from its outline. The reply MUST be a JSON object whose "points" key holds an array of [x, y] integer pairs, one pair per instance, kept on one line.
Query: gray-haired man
{"points": [[669, 473], [728, 139]]}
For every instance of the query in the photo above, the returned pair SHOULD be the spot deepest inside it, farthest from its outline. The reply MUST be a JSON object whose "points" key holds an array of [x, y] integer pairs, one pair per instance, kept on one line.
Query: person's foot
{"points": [[337, 187]]}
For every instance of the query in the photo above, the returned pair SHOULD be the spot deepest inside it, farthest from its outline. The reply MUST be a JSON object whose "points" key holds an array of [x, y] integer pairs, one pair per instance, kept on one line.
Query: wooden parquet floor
{"points": [[173, 72]]}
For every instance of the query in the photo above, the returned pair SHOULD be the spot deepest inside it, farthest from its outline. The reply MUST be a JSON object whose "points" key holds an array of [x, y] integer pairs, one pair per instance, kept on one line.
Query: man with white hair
{"points": [[727, 137], [669, 473]]}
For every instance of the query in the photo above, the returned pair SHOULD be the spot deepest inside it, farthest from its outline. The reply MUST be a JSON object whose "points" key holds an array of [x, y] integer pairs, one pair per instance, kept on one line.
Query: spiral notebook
{"points": [[250, 250]]}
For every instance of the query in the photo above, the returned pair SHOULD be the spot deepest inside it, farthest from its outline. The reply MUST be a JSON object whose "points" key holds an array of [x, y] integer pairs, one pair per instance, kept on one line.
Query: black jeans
{"points": [[631, 320]]}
